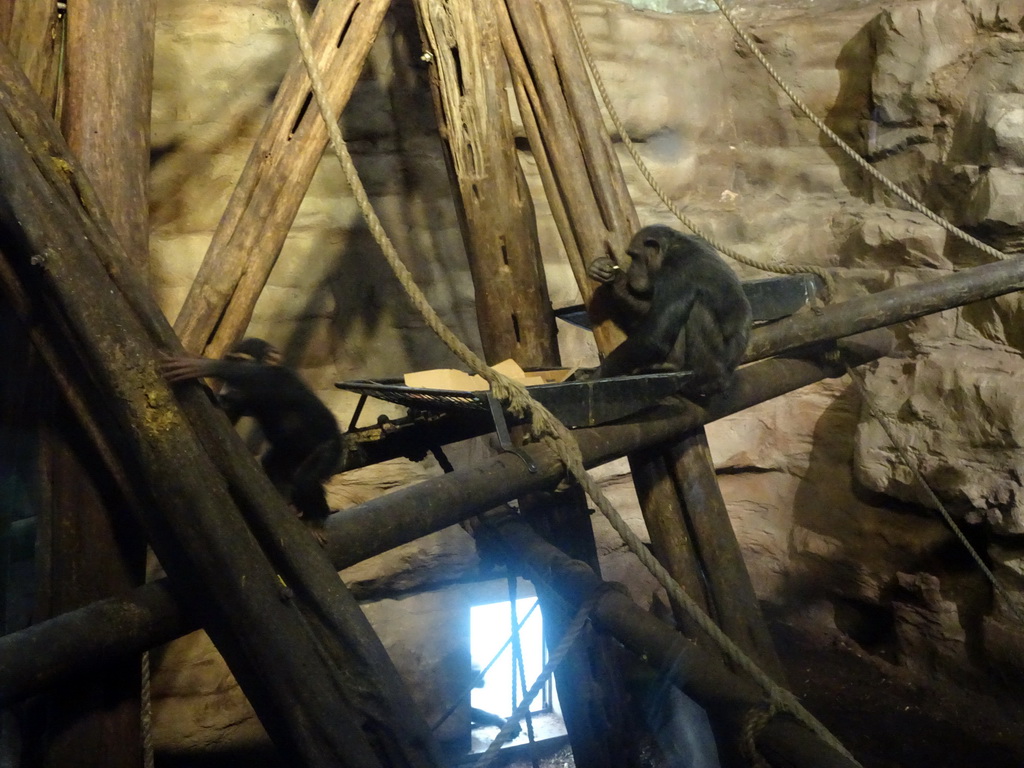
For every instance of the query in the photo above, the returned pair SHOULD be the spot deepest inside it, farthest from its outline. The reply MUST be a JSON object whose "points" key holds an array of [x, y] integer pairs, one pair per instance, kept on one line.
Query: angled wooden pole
{"points": [[92, 636], [596, 215], [293, 636], [515, 315], [274, 181]]}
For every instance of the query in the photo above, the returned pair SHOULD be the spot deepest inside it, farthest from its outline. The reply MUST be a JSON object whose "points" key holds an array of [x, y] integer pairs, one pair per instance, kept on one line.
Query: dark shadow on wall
{"points": [[392, 134], [831, 503], [850, 114]]}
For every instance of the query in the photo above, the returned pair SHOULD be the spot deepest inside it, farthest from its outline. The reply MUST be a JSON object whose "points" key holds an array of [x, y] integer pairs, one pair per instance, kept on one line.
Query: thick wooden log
{"points": [[895, 305], [496, 211], [287, 628], [90, 547], [734, 603], [514, 312], [578, 168], [34, 658], [550, 72], [274, 181], [108, 91], [727, 697]]}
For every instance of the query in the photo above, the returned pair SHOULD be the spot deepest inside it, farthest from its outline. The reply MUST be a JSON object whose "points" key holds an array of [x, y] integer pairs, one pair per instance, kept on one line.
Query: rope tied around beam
{"points": [[544, 425], [757, 718]]}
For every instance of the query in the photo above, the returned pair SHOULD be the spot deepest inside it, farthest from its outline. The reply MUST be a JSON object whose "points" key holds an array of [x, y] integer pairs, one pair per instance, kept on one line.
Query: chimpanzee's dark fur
{"points": [[682, 307], [302, 434]]}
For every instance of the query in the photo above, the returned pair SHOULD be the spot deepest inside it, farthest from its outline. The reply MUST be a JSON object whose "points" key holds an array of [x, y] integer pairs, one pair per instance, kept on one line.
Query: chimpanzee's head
{"points": [[254, 350]]}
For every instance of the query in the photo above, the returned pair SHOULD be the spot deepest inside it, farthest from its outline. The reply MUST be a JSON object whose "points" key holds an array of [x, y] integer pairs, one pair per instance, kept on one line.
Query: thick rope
{"points": [[908, 461], [543, 424], [765, 266], [818, 123], [147, 713], [483, 672], [757, 718]]}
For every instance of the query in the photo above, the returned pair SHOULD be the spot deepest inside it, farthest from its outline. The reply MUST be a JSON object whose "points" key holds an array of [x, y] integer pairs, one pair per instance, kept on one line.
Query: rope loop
{"points": [[755, 721]]}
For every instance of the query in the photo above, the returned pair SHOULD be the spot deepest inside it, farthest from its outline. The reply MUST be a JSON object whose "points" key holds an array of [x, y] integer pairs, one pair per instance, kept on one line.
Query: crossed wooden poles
{"points": [[238, 563]]}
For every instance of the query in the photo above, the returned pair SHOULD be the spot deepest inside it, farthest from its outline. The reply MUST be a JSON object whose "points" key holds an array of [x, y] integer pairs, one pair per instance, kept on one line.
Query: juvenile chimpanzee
{"points": [[302, 434], [681, 306]]}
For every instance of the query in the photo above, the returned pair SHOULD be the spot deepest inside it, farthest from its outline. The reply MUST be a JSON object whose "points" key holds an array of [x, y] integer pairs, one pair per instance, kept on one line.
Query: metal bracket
{"points": [[504, 438]]}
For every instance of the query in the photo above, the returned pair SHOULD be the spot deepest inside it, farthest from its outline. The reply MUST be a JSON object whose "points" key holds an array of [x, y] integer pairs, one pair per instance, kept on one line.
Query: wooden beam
{"points": [[82, 640], [274, 181], [578, 167], [595, 213], [467, 76], [885, 308], [293, 636], [729, 698], [514, 312], [108, 82], [89, 546]]}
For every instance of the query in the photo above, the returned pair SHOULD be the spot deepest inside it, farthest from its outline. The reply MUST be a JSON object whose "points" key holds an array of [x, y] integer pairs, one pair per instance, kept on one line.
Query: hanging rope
{"points": [[147, 714], [765, 266], [572, 632], [802, 106], [909, 462], [544, 426]]}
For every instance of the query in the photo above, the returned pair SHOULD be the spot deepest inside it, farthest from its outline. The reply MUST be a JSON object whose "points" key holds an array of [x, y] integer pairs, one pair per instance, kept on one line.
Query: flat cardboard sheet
{"points": [[460, 381]]}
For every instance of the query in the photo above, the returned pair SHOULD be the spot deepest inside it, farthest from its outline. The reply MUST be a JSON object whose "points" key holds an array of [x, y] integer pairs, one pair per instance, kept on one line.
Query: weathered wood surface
{"points": [[90, 547], [578, 167], [513, 309], [294, 638], [596, 217], [896, 305], [467, 75], [150, 616], [734, 604], [727, 697], [31, 30], [108, 92], [262, 207]]}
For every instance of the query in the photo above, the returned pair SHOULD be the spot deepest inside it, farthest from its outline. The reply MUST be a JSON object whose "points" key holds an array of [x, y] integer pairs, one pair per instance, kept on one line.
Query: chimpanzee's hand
{"points": [[183, 367], [602, 269]]}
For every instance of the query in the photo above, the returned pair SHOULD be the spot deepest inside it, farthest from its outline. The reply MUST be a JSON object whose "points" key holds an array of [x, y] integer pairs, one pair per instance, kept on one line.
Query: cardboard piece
{"points": [[460, 381]]}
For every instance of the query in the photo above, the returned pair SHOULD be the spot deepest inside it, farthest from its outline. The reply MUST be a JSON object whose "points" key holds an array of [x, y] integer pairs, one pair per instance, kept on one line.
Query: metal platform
{"points": [[575, 403]]}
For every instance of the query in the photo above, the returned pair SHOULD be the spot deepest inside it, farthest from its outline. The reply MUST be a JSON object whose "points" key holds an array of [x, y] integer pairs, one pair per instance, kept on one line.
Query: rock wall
{"points": [[834, 531]]}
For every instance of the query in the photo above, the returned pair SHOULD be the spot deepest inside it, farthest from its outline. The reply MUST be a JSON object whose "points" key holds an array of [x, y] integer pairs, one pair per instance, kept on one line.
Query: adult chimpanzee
{"points": [[682, 307], [303, 436]]}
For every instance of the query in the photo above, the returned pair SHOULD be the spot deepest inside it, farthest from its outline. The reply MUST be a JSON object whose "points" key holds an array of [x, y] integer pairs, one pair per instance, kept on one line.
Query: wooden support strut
{"points": [[273, 183], [94, 635], [729, 698], [287, 628], [515, 318], [596, 217]]}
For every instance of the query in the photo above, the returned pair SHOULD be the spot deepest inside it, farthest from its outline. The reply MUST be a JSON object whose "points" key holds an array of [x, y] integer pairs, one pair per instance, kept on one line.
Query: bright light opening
{"points": [[489, 627]]}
